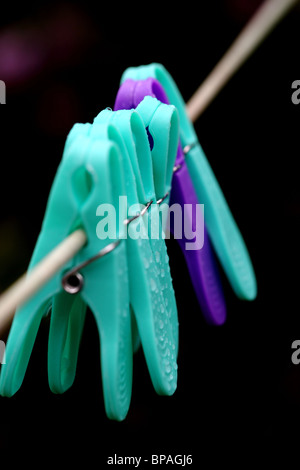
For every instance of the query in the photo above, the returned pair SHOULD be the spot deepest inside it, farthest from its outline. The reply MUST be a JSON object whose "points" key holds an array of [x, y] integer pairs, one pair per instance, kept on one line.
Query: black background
{"points": [[237, 387]]}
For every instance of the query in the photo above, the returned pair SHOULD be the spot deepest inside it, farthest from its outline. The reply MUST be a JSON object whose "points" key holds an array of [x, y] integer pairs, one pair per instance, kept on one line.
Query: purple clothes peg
{"points": [[201, 263]]}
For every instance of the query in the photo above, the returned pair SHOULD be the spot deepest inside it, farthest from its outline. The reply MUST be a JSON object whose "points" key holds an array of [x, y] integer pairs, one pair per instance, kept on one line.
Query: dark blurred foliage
{"points": [[237, 389]]}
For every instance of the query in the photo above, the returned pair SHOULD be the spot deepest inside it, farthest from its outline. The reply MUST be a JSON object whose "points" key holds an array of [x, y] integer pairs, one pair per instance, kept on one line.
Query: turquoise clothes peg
{"points": [[162, 124], [151, 292], [68, 314], [90, 172], [223, 230], [201, 264]]}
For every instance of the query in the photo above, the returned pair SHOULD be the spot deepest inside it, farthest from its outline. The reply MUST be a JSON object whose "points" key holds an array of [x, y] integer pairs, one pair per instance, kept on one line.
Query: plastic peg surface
{"points": [[152, 296], [201, 262], [224, 233], [90, 172]]}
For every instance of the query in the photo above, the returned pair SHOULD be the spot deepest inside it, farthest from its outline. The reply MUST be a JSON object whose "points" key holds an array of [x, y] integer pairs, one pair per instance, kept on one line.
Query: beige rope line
{"points": [[27, 285], [268, 15]]}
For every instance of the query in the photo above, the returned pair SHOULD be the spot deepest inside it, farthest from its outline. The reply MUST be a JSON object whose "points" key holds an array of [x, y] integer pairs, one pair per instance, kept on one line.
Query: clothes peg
{"points": [[201, 263], [150, 307], [152, 295], [161, 122], [90, 172], [222, 228]]}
